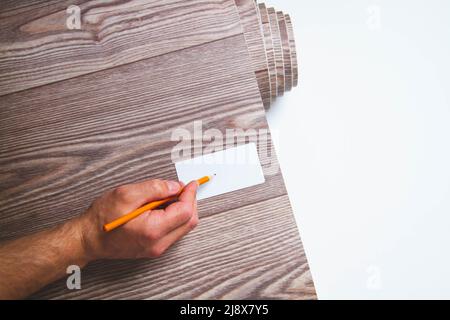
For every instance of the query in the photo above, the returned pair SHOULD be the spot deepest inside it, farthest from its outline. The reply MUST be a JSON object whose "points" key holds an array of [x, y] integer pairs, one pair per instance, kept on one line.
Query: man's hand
{"points": [[148, 235], [29, 263]]}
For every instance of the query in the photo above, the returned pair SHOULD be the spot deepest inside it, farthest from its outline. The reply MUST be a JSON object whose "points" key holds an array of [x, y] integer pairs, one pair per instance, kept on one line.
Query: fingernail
{"points": [[173, 186]]}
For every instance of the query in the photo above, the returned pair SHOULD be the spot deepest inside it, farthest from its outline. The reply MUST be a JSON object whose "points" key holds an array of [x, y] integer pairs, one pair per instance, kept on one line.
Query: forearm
{"points": [[30, 263]]}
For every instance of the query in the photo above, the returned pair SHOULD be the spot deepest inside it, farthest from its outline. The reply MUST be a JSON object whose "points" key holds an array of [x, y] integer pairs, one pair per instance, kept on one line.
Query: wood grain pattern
{"points": [[113, 33], [294, 62], [65, 141], [266, 271], [60, 141], [286, 51], [268, 44], [278, 50], [251, 26], [23, 30]]}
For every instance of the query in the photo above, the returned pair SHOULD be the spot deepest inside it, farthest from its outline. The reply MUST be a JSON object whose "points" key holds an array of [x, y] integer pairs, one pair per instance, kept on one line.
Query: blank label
{"points": [[232, 169]]}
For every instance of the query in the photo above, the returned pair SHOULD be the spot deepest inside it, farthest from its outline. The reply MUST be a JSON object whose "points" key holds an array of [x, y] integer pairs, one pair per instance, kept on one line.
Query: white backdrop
{"points": [[364, 145]]}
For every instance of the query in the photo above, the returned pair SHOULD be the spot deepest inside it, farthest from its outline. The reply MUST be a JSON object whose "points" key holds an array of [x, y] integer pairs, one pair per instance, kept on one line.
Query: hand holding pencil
{"points": [[149, 206], [146, 234], [78, 241]]}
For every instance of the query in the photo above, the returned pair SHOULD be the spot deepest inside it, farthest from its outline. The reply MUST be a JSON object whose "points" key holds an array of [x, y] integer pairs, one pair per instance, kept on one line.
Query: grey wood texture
{"points": [[268, 44], [143, 29], [251, 26], [293, 48], [278, 50], [67, 137], [286, 51]]}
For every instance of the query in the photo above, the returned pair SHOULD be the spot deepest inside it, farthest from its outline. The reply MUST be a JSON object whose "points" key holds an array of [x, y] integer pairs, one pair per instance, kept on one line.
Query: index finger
{"points": [[189, 193], [176, 214]]}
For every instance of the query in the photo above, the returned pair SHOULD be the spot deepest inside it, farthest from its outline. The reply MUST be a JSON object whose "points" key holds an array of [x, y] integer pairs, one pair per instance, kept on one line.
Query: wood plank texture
{"points": [[28, 27], [45, 155], [268, 270], [268, 44], [251, 26], [278, 50], [113, 33], [66, 138], [293, 50], [286, 51]]}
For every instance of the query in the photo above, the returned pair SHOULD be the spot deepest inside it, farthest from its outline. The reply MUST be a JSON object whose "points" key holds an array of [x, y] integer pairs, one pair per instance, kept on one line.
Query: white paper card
{"points": [[232, 169]]}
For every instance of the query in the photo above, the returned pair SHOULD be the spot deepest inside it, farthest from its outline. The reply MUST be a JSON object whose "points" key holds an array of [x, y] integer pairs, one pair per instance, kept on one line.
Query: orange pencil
{"points": [[149, 206]]}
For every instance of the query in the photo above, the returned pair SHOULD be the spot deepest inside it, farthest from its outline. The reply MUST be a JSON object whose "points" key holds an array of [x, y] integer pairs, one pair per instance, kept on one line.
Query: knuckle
{"points": [[153, 234], [156, 251], [122, 192], [159, 186], [186, 210], [193, 222]]}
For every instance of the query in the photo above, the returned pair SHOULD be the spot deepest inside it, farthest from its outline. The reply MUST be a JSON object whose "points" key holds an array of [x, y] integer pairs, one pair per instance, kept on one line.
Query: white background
{"points": [[364, 145]]}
